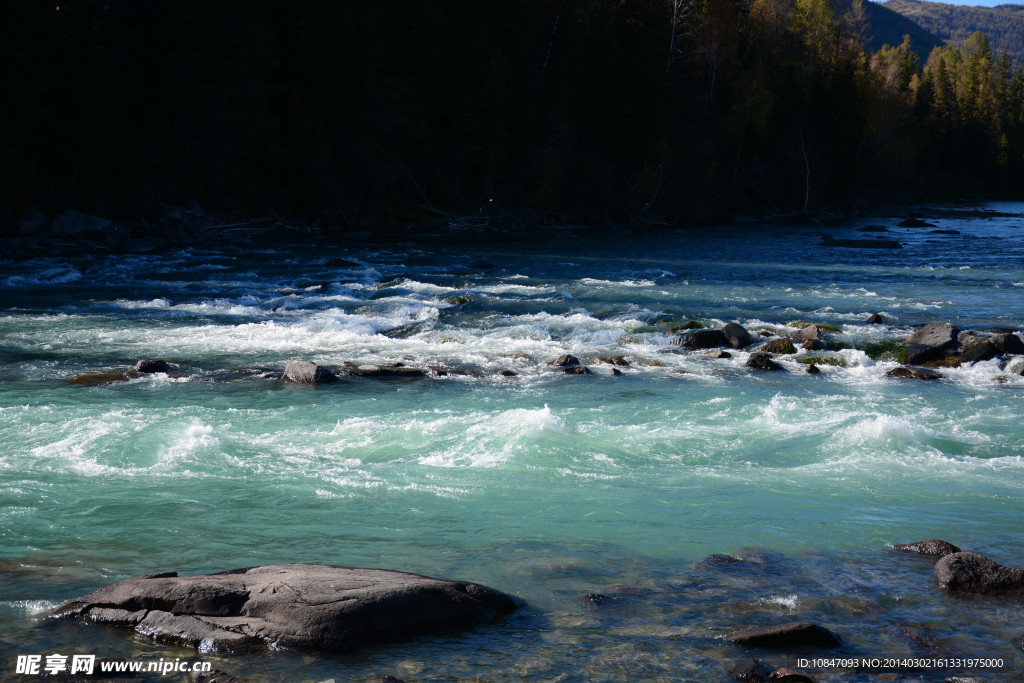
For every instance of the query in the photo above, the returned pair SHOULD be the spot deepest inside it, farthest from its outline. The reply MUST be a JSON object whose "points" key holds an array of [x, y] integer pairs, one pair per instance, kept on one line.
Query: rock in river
{"points": [[701, 339], [913, 373], [1008, 344], [311, 607], [304, 372], [973, 573], [760, 361], [930, 342], [153, 365], [736, 336]]}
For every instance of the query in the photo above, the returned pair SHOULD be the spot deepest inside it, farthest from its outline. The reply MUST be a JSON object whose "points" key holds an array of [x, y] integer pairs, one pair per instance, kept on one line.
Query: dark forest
{"points": [[597, 111]]}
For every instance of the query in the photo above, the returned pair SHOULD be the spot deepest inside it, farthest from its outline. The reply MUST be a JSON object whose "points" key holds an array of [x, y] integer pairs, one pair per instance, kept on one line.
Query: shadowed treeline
{"points": [[365, 112]]}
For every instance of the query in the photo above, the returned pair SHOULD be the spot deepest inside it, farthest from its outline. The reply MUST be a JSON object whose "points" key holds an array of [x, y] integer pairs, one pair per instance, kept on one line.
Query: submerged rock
{"points": [[790, 676], [736, 336], [914, 223], [750, 671], [153, 365], [383, 371], [303, 372], [216, 676], [913, 373], [784, 636], [973, 573], [92, 379], [760, 361], [311, 607], [932, 547]]}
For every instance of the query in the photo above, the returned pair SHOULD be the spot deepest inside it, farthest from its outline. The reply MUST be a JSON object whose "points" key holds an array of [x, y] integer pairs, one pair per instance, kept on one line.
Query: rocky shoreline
{"points": [[330, 609]]}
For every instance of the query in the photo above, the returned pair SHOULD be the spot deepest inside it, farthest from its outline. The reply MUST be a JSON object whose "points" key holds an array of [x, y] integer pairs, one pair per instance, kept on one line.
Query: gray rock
{"points": [[760, 361], [303, 372], [932, 547], [1008, 344], [565, 361], [913, 373], [152, 365], [613, 360], [311, 607], [719, 354], [806, 334], [935, 336], [577, 370], [736, 336], [813, 345], [973, 573], [978, 350], [783, 636], [384, 371], [875, 319], [699, 339]]}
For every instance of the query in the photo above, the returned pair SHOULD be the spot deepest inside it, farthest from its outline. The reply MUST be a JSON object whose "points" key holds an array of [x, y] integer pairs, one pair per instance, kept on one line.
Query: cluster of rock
{"points": [[942, 344]]}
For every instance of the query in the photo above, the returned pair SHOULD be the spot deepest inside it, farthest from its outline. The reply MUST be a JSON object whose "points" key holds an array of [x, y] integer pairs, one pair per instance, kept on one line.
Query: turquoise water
{"points": [[544, 485]]}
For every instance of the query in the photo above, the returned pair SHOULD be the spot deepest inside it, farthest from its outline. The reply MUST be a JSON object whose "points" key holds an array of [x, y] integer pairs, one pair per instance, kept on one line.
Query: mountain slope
{"points": [[1003, 24], [889, 26]]}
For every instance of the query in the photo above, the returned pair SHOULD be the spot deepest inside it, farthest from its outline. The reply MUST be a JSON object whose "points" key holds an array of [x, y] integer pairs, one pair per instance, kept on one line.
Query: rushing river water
{"points": [[545, 485]]}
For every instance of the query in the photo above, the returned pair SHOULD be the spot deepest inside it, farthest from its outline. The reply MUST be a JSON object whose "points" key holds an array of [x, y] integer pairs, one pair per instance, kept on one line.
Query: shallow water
{"points": [[544, 485]]}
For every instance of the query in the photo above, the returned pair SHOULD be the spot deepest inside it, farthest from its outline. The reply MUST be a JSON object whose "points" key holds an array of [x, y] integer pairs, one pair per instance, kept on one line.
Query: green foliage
{"points": [[890, 350]]}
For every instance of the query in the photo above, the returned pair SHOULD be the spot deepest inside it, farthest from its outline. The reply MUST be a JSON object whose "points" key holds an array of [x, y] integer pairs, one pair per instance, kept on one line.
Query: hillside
{"points": [[1003, 24], [887, 27]]}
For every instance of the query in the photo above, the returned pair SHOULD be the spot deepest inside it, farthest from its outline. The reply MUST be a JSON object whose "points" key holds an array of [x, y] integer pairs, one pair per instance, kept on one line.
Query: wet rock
{"points": [[507, 373], [616, 372], [813, 369], [914, 223], [783, 346], [153, 365], [806, 334], [597, 599], [1008, 344], [930, 342], [700, 339], [719, 559], [812, 345], [92, 379], [760, 361], [875, 319], [932, 547], [978, 350], [790, 676], [945, 232], [785, 636], [913, 373], [310, 607], [565, 361], [736, 336], [577, 370], [720, 354], [749, 671], [386, 371], [304, 372], [973, 573], [613, 360]]}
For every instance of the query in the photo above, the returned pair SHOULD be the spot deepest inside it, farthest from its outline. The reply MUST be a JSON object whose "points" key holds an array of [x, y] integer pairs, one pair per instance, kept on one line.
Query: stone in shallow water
{"points": [[736, 336], [760, 361], [932, 547], [152, 365], [303, 372], [311, 607], [785, 636], [565, 361], [973, 573], [913, 373]]}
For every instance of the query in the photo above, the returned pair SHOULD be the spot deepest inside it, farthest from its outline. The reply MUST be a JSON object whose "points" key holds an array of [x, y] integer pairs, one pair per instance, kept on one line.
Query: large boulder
{"points": [[304, 372], [783, 636], [699, 339], [931, 342], [973, 573], [1008, 344], [736, 336], [311, 607], [978, 350], [783, 346]]}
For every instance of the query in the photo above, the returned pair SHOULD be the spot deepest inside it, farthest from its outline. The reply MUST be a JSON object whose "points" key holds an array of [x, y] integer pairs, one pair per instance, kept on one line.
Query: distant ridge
{"points": [[1003, 24], [889, 26]]}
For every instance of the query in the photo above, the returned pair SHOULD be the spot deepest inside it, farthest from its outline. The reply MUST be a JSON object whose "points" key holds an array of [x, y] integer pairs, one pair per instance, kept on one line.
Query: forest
{"points": [[362, 113], [1003, 25]]}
